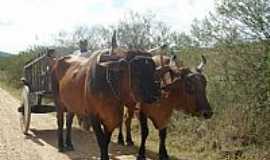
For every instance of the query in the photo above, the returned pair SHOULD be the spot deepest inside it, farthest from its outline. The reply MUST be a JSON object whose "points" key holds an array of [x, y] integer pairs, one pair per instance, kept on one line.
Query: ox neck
{"points": [[176, 97]]}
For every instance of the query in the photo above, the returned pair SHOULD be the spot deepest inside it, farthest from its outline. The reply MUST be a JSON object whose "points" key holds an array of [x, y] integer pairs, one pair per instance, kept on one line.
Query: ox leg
{"points": [[128, 128], [107, 139], [144, 134], [163, 155], [60, 122], [120, 135], [59, 114], [69, 120], [103, 138]]}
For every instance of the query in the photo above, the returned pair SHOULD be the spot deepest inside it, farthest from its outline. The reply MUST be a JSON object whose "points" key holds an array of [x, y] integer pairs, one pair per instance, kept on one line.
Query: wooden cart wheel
{"points": [[26, 112]]}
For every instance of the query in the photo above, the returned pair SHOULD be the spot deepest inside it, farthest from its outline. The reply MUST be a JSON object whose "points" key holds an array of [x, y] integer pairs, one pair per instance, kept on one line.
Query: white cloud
{"points": [[177, 13], [22, 21]]}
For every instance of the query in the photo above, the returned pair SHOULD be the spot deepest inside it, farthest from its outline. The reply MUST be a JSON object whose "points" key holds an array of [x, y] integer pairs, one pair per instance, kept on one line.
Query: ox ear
{"points": [[115, 65], [161, 71]]}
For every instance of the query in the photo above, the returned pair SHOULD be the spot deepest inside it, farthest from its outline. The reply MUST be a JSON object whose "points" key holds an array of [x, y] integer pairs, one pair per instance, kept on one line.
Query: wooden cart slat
{"points": [[37, 83]]}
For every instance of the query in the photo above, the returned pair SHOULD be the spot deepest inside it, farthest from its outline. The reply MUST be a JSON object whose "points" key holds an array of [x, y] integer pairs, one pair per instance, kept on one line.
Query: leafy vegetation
{"points": [[11, 68], [4, 54]]}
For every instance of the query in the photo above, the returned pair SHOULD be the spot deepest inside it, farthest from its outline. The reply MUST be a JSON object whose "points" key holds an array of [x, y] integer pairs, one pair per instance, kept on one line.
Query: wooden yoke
{"points": [[163, 51]]}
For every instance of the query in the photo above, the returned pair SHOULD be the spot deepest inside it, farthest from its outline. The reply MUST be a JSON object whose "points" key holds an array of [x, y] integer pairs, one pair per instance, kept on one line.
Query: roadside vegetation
{"points": [[235, 40]]}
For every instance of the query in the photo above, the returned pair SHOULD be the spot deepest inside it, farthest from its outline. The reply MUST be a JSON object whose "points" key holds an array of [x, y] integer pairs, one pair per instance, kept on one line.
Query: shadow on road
{"points": [[86, 147]]}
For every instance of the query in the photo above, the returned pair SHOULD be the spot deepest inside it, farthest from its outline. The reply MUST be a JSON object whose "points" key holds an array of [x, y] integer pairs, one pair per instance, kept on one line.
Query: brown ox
{"points": [[186, 92], [98, 89]]}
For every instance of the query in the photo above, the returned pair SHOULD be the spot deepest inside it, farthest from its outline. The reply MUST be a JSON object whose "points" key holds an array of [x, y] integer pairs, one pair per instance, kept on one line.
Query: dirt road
{"points": [[41, 144]]}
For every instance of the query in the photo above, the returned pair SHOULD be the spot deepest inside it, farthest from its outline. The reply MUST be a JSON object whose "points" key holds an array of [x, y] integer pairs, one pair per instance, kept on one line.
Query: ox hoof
{"points": [[61, 149], [69, 147], [141, 157], [164, 158], [130, 143], [104, 158], [121, 142]]}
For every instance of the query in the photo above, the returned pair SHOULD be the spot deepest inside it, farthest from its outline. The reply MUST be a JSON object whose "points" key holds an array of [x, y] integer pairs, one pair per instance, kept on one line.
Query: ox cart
{"points": [[36, 85]]}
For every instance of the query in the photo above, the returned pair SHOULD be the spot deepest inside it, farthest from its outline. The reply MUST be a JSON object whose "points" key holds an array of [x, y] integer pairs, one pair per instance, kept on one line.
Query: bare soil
{"points": [[41, 143]]}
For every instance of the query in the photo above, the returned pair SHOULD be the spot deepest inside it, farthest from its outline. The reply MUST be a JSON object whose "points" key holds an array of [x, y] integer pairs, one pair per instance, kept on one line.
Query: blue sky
{"points": [[24, 23]]}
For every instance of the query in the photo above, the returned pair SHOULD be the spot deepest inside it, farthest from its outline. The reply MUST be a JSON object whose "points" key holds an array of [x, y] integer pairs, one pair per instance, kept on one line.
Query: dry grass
{"points": [[13, 91], [236, 131], [229, 135]]}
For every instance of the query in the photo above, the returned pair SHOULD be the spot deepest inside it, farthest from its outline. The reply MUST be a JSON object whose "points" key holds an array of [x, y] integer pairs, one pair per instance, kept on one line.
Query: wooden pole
{"points": [[163, 50]]}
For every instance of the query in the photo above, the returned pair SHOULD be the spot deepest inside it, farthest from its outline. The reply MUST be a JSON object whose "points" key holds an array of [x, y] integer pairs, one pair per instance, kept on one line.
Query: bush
{"points": [[11, 68]]}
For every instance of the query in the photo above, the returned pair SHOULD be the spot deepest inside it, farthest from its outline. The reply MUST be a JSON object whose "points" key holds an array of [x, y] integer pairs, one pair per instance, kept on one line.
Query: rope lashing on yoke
{"points": [[110, 82]]}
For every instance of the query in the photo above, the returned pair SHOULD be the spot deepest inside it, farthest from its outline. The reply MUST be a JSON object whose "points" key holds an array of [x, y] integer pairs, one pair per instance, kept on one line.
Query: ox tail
{"points": [[55, 83]]}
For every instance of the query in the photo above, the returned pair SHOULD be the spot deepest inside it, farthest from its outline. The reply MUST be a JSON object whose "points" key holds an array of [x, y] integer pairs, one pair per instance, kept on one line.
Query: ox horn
{"points": [[114, 41], [115, 65], [199, 68], [153, 50], [158, 49]]}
